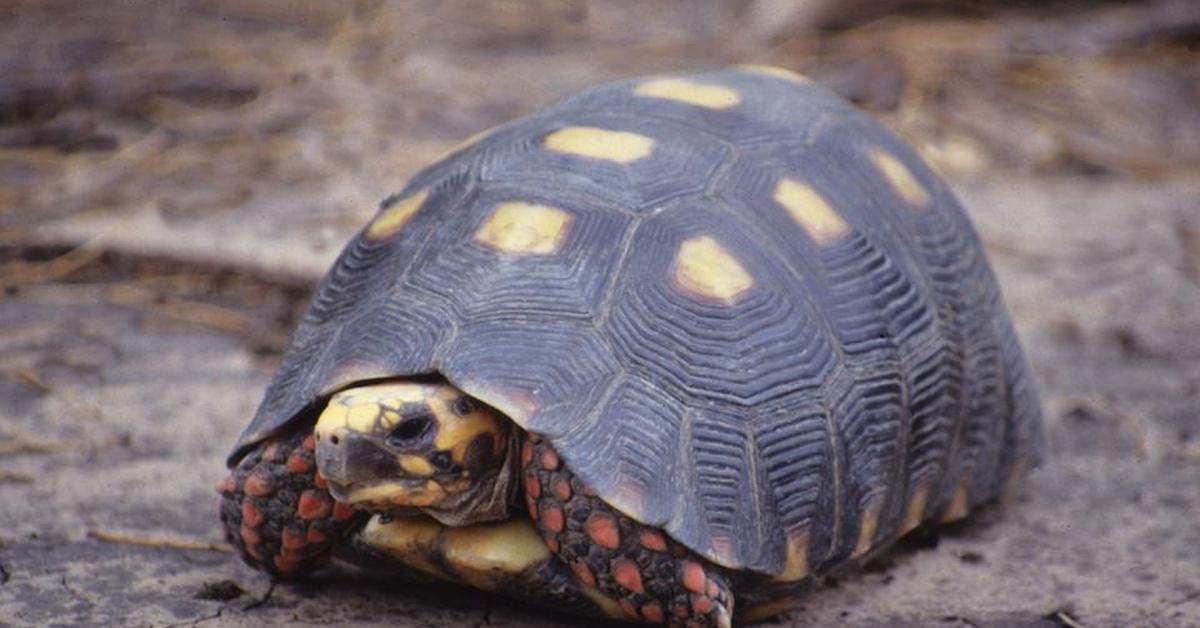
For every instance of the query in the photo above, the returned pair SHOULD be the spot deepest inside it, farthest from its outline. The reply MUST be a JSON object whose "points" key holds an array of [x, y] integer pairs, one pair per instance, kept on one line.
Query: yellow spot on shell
{"points": [[586, 141], [705, 269], [690, 92], [866, 532], [900, 178], [389, 222], [811, 211], [776, 72], [796, 566], [916, 507], [487, 553], [960, 505], [524, 228]]}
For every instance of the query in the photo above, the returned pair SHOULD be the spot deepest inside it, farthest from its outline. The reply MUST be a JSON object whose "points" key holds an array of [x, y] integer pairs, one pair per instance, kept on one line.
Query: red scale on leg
{"points": [[342, 512], [314, 504], [258, 486], [250, 535], [653, 540], [298, 463], [653, 612], [293, 539], [228, 485], [602, 529], [251, 515], [626, 574], [692, 576], [562, 489], [549, 459], [552, 518]]}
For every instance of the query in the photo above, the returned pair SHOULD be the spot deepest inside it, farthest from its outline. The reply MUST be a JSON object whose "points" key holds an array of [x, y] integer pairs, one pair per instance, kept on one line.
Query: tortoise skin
{"points": [[859, 385]]}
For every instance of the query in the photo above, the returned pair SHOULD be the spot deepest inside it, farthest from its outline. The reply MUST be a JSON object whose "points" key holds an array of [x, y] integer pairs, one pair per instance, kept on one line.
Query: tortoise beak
{"points": [[346, 458]]}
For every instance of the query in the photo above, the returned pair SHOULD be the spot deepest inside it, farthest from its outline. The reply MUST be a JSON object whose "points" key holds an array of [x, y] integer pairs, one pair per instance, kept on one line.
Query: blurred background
{"points": [[176, 175]]}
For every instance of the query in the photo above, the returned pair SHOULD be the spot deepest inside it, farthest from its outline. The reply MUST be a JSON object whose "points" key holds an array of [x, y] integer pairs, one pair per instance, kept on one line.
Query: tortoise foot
{"points": [[277, 512]]}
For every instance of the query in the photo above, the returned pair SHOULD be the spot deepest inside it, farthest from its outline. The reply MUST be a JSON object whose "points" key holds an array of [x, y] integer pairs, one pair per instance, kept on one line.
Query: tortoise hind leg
{"points": [[276, 510], [654, 579]]}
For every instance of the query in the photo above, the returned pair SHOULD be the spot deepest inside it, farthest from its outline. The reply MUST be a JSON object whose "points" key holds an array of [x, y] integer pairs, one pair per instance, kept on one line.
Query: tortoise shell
{"points": [[740, 309]]}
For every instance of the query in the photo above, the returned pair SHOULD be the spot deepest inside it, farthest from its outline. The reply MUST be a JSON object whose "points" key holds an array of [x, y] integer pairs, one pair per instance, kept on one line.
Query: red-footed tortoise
{"points": [[659, 352]]}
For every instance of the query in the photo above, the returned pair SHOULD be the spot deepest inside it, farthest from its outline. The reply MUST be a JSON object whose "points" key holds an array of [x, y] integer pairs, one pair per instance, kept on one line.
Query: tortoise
{"points": [[665, 352]]}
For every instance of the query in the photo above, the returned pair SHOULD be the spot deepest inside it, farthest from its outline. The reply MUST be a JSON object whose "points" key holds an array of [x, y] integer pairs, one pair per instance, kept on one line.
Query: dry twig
{"points": [[151, 540]]}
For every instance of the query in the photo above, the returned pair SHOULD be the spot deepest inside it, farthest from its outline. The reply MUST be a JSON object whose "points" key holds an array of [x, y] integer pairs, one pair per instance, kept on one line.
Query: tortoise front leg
{"points": [[653, 578], [507, 557], [277, 511]]}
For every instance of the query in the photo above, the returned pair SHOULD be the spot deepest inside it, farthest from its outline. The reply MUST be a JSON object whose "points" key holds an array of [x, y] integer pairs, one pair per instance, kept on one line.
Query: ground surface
{"points": [[174, 176]]}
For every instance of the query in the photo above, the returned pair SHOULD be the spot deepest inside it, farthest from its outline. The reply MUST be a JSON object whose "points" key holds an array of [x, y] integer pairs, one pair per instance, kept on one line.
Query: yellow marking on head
{"points": [[486, 554], [416, 465], [796, 565], [390, 394], [364, 408], [811, 211], [385, 494], [587, 141], [689, 92], [900, 178], [916, 507], [456, 433], [343, 414], [776, 72], [389, 222], [411, 540], [866, 533], [960, 505], [362, 418], [706, 269], [524, 228]]}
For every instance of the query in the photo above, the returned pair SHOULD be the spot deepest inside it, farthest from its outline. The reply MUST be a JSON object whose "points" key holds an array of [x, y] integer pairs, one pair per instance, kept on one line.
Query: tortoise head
{"points": [[400, 446]]}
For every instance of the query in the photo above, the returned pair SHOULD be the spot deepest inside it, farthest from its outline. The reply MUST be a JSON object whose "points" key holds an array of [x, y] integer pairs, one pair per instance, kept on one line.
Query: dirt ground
{"points": [[175, 176]]}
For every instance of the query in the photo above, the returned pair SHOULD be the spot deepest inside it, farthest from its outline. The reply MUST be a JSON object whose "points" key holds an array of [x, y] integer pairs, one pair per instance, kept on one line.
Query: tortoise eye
{"points": [[409, 430]]}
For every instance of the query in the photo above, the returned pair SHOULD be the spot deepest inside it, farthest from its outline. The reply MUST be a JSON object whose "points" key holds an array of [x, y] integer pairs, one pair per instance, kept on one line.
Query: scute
{"points": [[834, 367]]}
